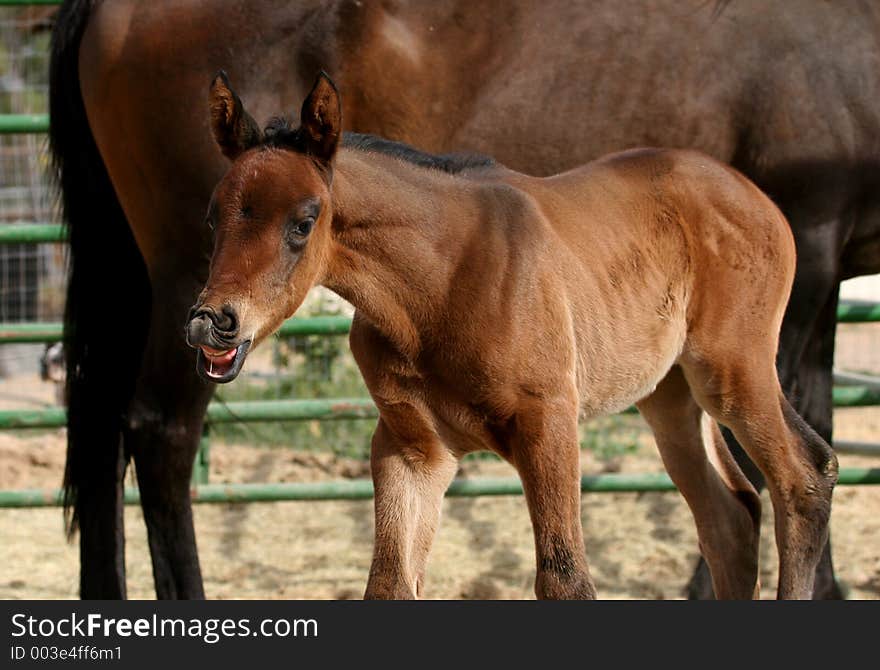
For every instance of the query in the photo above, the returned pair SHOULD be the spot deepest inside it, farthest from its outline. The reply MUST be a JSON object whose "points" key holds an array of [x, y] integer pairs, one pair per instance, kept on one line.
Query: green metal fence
{"points": [[321, 410], [362, 489], [337, 409], [23, 123]]}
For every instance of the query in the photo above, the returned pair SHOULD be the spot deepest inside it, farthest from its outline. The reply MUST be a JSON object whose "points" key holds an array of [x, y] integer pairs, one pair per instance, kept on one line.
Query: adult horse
{"points": [[786, 94]]}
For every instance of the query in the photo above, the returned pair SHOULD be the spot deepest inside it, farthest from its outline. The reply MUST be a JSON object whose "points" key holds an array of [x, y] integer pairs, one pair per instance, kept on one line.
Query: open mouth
{"points": [[221, 366]]}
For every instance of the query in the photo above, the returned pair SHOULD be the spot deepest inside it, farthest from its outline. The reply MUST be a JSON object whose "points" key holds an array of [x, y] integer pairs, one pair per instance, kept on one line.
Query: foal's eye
{"points": [[304, 227], [298, 231]]}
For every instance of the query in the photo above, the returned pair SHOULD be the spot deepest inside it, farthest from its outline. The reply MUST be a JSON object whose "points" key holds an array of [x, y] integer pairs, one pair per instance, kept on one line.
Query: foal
{"points": [[494, 308]]}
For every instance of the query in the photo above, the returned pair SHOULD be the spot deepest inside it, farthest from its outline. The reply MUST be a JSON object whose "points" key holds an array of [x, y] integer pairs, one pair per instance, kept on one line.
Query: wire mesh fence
{"points": [[31, 275], [857, 357]]}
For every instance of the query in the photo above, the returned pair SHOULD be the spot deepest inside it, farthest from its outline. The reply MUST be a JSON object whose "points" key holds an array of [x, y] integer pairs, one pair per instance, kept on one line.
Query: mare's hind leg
{"points": [[726, 508], [546, 453], [411, 471], [743, 393], [164, 426]]}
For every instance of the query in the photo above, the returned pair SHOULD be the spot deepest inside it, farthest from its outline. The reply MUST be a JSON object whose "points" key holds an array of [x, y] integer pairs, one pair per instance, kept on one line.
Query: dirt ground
{"points": [[640, 546]]}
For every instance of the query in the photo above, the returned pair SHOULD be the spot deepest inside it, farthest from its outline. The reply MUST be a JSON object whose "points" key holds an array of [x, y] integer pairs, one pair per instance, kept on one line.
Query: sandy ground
{"points": [[640, 546]]}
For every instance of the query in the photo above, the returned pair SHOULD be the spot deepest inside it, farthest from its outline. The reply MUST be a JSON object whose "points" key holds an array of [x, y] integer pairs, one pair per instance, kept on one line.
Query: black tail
{"points": [[105, 273]]}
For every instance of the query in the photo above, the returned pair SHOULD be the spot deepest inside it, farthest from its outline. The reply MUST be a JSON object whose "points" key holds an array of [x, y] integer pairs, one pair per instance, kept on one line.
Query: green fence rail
{"points": [[362, 489], [858, 311], [31, 233], [23, 333], [229, 412], [318, 410], [18, 333], [855, 396], [12, 124]]}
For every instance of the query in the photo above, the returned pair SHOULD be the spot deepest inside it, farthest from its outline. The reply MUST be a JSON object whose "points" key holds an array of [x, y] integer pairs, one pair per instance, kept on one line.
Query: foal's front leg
{"points": [[546, 454], [411, 471]]}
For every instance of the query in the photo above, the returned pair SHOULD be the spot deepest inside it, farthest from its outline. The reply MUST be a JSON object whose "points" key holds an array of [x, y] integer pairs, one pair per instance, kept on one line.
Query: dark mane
{"points": [[278, 133], [451, 163]]}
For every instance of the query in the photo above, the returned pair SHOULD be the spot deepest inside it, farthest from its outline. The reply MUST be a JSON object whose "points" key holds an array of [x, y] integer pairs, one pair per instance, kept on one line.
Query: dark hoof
{"points": [[700, 586], [830, 590]]}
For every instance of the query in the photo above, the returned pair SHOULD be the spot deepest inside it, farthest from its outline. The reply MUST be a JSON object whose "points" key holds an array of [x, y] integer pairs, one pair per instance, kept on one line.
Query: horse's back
{"points": [[693, 255], [643, 189], [723, 242], [662, 240], [632, 192]]}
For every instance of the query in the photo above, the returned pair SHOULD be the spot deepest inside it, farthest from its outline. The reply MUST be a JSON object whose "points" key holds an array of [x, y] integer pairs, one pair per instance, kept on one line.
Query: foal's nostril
{"points": [[207, 325], [227, 321]]}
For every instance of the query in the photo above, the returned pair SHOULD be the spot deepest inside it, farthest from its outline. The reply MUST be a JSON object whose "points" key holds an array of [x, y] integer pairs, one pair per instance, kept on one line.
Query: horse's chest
{"points": [[469, 405]]}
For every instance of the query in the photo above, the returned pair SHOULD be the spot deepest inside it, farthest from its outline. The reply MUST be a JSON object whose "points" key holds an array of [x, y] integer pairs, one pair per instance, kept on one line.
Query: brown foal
{"points": [[493, 309]]}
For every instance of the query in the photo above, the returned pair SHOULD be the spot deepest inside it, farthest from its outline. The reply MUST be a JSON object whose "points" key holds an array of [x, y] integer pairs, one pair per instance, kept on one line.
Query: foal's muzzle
{"points": [[216, 336], [206, 325]]}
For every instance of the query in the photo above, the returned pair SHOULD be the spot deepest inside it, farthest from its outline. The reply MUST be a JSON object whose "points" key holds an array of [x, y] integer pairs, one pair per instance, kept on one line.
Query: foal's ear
{"points": [[234, 129], [321, 119]]}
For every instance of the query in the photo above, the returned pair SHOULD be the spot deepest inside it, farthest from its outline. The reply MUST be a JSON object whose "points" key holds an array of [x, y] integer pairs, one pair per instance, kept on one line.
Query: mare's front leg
{"points": [[163, 430], [411, 471], [546, 453]]}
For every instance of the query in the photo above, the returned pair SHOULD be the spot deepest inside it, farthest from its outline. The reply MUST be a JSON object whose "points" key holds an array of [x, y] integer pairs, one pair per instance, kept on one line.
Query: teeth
{"points": [[222, 354], [224, 360]]}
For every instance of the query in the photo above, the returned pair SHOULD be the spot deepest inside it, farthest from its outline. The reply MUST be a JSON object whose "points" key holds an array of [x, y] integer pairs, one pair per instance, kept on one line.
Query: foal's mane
{"points": [[451, 163], [279, 133]]}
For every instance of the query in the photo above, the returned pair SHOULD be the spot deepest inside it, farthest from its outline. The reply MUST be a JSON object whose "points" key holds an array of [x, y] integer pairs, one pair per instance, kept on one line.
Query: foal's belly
{"points": [[627, 365], [615, 393], [610, 379]]}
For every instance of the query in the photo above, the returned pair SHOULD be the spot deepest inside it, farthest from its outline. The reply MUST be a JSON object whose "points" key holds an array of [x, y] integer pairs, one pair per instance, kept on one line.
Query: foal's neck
{"points": [[398, 238]]}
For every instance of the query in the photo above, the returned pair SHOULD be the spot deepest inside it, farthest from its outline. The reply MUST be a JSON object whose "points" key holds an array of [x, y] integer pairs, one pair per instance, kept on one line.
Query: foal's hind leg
{"points": [[411, 471], [804, 362], [726, 508], [743, 393], [546, 453]]}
